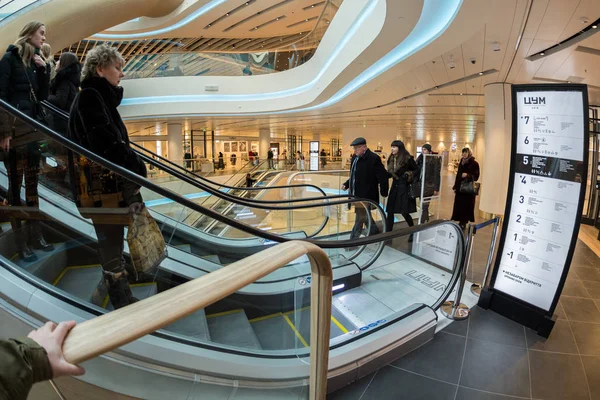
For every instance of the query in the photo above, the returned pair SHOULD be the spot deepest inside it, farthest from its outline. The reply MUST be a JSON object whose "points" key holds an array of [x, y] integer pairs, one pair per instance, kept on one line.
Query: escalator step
{"points": [[277, 332], [194, 325], [232, 329], [84, 282]]}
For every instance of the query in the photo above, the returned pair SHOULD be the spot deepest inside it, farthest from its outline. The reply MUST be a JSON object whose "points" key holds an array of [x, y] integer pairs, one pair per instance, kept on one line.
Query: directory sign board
{"points": [[546, 192]]}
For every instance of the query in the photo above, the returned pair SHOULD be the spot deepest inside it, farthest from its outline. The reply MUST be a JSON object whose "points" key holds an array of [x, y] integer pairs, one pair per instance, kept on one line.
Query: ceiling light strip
{"points": [[302, 22], [264, 11]]}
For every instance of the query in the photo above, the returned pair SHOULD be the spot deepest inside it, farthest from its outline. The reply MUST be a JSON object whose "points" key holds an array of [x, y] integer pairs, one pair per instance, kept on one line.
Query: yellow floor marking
{"points": [[291, 324], [105, 302], [337, 323], [298, 310], [277, 314], [64, 271], [220, 314]]}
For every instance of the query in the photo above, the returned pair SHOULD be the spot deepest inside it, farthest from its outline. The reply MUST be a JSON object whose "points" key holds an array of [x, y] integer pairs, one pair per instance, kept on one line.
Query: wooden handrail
{"points": [[109, 331]]}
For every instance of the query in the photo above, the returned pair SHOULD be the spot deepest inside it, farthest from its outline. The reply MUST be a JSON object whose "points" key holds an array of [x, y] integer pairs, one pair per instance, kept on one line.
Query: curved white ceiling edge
{"points": [[358, 25], [158, 32], [436, 16]]}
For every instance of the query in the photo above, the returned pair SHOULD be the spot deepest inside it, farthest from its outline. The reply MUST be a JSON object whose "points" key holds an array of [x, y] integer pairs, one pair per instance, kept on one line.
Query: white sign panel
{"points": [[437, 246], [546, 185]]}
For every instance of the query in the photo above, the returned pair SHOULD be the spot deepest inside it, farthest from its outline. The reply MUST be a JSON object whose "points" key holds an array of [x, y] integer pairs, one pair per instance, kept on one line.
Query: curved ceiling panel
{"points": [[68, 21], [433, 19]]}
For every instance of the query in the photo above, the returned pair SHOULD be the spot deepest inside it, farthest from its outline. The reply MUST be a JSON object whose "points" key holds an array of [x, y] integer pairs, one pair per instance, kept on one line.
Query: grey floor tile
{"points": [[580, 310], [561, 339], [574, 287], [440, 359], [593, 288], [353, 391], [588, 273], [496, 368], [560, 311], [557, 376], [472, 394], [492, 327], [587, 337], [392, 383], [592, 371], [457, 327]]}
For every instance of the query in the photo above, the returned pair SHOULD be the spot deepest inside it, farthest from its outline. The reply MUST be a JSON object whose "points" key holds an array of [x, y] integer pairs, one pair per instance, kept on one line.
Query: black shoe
{"points": [[27, 255], [41, 244]]}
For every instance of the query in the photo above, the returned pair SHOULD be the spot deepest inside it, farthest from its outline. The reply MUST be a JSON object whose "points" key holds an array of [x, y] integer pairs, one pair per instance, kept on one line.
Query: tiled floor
{"points": [[489, 357]]}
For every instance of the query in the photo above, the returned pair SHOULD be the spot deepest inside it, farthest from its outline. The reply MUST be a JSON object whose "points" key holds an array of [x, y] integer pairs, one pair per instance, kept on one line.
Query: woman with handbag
{"points": [[95, 123], [24, 81], [401, 167], [464, 187]]}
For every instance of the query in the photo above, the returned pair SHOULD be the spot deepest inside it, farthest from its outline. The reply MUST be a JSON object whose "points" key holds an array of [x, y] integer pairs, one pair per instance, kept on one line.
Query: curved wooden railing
{"points": [[109, 331]]}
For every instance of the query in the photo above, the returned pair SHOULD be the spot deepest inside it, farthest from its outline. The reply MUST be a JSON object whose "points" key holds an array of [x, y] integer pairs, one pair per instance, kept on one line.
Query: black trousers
{"points": [[110, 247], [389, 221], [363, 219]]}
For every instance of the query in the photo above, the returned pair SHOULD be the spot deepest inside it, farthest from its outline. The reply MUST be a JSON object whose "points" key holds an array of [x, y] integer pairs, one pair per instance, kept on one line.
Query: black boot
{"points": [[119, 291], [37, 240], [27, 255]]}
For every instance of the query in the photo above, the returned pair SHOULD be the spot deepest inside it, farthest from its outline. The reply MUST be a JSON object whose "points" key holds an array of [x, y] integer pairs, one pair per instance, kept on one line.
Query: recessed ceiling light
{"points": [[594, 26], [542, 54], [481, 73], [227, 14], [461, 94]]}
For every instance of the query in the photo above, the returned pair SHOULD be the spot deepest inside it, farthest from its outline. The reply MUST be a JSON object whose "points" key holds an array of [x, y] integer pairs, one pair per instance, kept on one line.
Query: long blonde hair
{"points": [[26, 49]]}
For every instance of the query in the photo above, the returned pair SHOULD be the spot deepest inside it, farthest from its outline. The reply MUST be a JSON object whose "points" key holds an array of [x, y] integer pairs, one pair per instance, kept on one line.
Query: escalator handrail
{"points": [[143, 182], [205, 181], [96, 336]]}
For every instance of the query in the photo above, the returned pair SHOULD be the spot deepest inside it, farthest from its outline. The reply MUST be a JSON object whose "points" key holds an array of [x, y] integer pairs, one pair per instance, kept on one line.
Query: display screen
{"points": [[548, 167]]}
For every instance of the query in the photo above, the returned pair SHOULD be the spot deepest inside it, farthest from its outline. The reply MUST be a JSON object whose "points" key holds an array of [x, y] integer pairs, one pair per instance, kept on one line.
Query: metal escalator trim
{"points": [[298, 334], [338, 324]]}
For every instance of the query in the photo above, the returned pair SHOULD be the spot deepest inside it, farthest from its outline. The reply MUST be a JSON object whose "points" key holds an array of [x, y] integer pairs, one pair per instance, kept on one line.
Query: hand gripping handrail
{"points": [[109, 331]]}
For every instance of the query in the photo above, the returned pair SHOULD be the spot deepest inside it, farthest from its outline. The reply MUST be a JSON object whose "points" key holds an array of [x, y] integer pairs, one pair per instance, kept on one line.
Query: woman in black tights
{"points": [[401, 166]]}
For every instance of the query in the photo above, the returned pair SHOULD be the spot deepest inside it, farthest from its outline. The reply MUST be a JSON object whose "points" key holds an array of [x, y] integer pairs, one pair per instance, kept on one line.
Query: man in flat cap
{"points": [[368, 179]]}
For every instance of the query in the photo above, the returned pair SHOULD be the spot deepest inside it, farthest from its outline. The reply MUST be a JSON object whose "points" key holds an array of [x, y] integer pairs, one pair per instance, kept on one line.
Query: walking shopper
{"points": [[464, 203], [401, 168]]}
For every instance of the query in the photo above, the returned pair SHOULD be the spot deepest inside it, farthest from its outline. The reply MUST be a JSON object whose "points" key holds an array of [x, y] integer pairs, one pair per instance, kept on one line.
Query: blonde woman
{"points": [[49, 57], [24, 81], [96, 124]]}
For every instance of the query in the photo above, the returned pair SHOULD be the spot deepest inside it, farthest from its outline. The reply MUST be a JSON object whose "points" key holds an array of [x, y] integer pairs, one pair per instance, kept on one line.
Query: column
{"points": [[175, 143], [479, 143], [498, 119], [264, 143]]}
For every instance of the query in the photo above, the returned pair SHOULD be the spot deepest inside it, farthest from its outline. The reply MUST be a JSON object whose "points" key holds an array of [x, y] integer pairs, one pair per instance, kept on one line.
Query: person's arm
{"points": [[61, 98], [382, 177], [5, 130], [475, 171], [38, 357], [345, 185]]}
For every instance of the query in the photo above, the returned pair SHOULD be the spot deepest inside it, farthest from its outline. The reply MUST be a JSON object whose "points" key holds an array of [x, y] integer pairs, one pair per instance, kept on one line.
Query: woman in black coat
{"points": [[464, 204], [64, 87], [24, 78], [401, 167], [96, 124]]}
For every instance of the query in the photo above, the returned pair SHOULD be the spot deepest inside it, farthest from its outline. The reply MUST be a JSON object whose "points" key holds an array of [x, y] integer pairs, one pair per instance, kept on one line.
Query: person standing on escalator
{"points": [[24, 81], [368, 179], [401, 168], [96, 124], [64, 87]]}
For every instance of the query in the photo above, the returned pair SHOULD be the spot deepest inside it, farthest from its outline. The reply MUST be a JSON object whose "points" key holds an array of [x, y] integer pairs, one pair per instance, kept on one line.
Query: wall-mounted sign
{"points": [[545, 197]]}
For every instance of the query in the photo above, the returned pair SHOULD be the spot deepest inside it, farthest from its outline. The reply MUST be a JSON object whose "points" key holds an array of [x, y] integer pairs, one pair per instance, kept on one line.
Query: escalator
{"points": [[254, 342]]}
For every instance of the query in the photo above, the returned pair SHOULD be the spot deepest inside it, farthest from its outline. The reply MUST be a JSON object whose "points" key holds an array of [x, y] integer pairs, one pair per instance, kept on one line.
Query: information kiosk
{"points": [[544, 204]]}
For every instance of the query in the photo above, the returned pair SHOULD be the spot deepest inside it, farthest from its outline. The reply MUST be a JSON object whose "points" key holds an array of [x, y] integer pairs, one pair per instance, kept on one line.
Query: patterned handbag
{"points": [[146, 243]]}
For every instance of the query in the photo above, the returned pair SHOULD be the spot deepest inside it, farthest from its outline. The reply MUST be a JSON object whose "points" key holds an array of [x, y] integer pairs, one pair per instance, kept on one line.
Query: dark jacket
{"points": [[368, 177], [402, 173], [464, 204], [15, 87], [430, 174], [23, 362], [95, 123], [65, 86]]}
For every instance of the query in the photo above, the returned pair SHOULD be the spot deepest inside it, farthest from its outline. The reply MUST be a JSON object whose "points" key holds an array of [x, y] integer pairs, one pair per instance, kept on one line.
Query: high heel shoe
{"points": [[27, 255], [41, 244]]}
